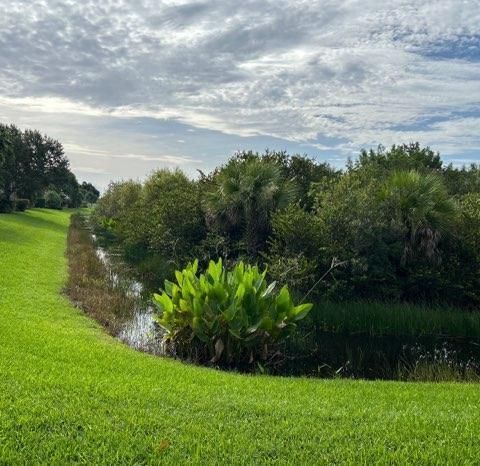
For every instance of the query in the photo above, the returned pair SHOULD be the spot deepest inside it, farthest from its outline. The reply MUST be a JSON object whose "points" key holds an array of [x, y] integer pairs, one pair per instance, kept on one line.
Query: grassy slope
{"points": [[68, 392]]}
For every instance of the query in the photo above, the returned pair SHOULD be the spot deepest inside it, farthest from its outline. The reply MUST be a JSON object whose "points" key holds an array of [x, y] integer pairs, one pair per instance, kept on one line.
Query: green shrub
{"points": [[170, 215], [6, 206], [296, 256], [22, 204], [53, 200], [227, 317], [40, 203]]}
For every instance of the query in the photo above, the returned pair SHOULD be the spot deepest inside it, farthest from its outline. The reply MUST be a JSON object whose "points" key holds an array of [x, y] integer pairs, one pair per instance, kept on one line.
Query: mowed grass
{"points": [[70, 393]]}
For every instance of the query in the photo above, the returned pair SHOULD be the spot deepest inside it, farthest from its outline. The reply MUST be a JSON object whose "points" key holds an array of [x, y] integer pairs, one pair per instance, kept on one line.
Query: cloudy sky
{"points": [[129, 86]]}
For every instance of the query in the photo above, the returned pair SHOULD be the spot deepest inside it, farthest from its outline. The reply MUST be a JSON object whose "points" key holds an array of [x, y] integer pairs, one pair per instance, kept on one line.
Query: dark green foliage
{"points": [[387, 340], [295, 254], [40, 203], [400, 233], [393, 319], [53, 200], [461, 181], [21, 205], [89, 193], [226, 316], [422, 207], [244, 195], [398, 158], [175, 223], [159, 224], [401, 223], [31, 163], [6, 205]]}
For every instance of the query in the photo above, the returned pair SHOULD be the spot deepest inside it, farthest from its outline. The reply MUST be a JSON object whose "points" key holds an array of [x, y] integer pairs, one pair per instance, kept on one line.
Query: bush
{"points": [[295, 256], [6, 206], [226, 316], [22, 205], [53, 200], [172, 218], [40, 203]]}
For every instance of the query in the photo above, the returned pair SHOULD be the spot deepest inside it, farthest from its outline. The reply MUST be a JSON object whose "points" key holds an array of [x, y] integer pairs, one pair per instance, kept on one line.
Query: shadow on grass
{"points": [[18, 228]]}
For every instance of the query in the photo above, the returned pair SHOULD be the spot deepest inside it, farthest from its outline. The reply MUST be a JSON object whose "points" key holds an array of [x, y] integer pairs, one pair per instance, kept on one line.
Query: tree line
{"points": [[396, 224], [34, 171]]}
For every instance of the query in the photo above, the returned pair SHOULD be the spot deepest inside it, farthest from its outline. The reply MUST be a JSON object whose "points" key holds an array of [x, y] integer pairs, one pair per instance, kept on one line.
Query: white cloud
{"points": [[353, 72]]}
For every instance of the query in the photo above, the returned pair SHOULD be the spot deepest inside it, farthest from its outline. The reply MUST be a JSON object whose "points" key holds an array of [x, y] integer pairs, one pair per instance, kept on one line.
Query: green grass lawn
{"points": [[70, 393]]}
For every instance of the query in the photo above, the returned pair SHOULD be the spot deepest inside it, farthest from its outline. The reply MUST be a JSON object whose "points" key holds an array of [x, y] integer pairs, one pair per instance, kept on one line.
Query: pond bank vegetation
{"points": [[89, 285]]}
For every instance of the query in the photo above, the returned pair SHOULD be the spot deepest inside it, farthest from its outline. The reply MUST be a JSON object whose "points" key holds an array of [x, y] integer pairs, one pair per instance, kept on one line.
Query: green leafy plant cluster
{"points": [[53, 200], [226, 316]]}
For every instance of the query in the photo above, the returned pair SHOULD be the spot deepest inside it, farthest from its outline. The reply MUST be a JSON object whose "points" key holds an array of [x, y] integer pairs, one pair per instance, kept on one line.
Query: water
{"points": [[139, 330]]}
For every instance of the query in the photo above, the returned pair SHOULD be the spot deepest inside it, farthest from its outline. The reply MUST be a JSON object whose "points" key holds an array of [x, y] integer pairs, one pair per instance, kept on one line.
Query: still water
{"points": [[139, 330]]}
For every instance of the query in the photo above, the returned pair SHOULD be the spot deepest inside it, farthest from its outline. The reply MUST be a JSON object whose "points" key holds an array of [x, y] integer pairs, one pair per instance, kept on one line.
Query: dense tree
{"points": [[12, 148], [89, 193], [301, 169], [245, 194], [32, 164], [175, 222], [422, 206], [118, 209], [460, 181], [403, 157], [159, 224], [403, 226]]}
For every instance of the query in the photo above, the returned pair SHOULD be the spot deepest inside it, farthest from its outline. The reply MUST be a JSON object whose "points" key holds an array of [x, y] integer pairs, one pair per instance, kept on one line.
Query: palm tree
{"points": [[245, 194], [423, 207]]}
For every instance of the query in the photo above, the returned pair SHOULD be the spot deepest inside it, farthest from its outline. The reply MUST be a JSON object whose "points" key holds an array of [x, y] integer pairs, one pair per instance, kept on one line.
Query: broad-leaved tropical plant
{"points": [[226, 316]]}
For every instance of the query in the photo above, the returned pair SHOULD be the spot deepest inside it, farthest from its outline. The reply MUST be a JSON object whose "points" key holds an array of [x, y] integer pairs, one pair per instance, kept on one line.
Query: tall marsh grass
{"points": [[379, 340], [396, 319]]}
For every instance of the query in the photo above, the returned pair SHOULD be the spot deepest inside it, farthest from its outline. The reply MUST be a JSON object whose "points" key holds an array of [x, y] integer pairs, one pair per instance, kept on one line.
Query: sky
{"points": [[132, 86]]}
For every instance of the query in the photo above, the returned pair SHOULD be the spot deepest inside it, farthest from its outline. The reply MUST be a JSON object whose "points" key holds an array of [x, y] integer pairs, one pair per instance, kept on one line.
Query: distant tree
{"points": [[403, 157], [31, 164], [89, 193], [11, 148], [53, 200], [461, 181], [69, 189], [4, 154]]}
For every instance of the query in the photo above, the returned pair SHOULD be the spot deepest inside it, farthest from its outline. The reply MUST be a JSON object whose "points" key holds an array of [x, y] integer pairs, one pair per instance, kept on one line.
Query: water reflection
{"points": [[139, 330]]}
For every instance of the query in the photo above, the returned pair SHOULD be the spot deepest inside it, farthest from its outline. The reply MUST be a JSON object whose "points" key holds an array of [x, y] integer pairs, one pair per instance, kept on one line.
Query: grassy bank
{"points": [[71, 393]]}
